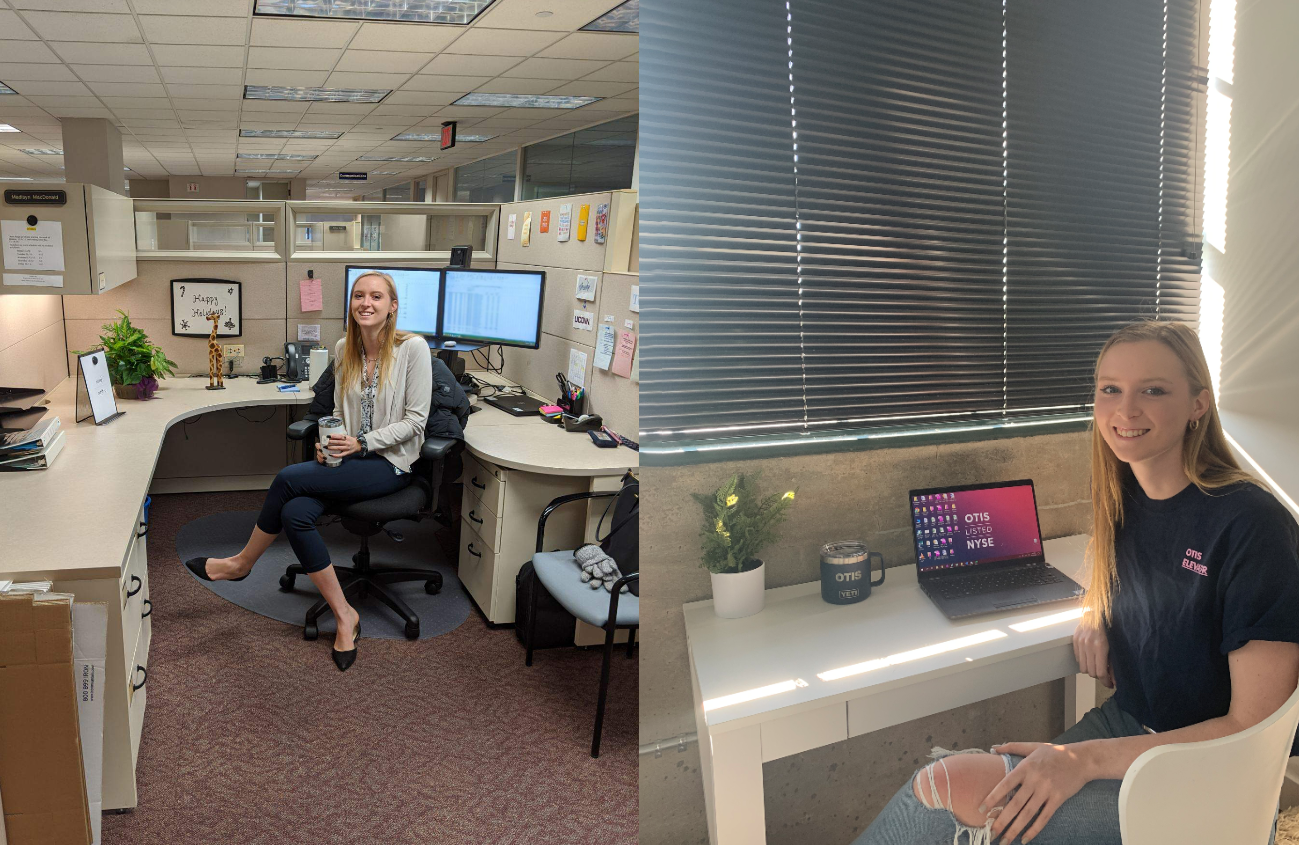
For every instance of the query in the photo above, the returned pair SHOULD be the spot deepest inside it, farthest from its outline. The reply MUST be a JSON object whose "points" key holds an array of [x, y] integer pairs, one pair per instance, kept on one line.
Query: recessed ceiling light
{"points": [[315, 95], [544, 14], [5, 89], [288, 133], [42, 152], [458, 12], [525, 101], [15, 178], [434, 136], [395, 158], [264, 172], [624, 18], [384, 172], [293, 156], [4, 127]]}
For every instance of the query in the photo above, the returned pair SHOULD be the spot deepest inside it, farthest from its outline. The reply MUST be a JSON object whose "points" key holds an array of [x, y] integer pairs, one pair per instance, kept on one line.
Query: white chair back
{"points": [[1217, 791]]}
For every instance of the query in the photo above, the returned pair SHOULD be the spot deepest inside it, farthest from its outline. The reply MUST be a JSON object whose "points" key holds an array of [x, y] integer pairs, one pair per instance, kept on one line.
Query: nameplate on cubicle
{"points": [[193, 299], [95, 388], [17, 197]]}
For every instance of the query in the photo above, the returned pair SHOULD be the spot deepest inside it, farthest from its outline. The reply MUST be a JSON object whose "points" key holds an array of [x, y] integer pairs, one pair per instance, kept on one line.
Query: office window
{"points": [[397, 193], [489, 180], [419, 191], [982, 192], [600, 158]]}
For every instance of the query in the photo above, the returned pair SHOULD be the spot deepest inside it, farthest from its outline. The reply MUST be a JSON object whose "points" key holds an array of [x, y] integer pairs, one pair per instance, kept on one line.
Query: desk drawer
{"points": [[133, 590], [487, 483], [477, 566], [136, 682], [486, 524]]}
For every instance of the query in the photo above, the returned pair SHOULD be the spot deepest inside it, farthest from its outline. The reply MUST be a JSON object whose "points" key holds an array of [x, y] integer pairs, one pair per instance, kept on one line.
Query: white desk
{"points": [[798, 635]]}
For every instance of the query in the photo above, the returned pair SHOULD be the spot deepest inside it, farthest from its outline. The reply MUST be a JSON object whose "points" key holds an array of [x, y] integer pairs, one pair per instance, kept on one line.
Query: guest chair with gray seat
{"points": [[416, 501], [559, 573]]}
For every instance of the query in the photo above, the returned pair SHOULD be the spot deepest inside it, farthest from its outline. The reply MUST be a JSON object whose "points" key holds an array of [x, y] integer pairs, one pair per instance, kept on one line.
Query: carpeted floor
{"points": [[253, 736]]}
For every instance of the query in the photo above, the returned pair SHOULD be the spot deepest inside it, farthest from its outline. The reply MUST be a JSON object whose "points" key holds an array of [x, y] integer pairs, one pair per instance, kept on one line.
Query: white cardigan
{"points": [[400, 407]]}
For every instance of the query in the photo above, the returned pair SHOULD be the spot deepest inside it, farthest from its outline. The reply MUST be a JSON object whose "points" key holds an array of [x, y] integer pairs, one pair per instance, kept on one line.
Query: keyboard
{"points": [[980, 583]]}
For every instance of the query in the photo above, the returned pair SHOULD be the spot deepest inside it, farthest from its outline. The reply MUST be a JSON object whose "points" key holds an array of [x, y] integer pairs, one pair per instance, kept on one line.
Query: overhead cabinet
{"points": [[65, 239]]}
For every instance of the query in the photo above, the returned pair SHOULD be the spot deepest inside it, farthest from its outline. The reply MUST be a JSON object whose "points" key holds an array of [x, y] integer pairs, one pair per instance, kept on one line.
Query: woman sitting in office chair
{"points": [[383, 384], [1193, 614]]}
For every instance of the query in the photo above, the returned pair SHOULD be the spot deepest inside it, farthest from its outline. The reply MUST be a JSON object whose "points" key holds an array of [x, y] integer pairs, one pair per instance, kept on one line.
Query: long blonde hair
{"points": [[1206, 457], [349, 367]]}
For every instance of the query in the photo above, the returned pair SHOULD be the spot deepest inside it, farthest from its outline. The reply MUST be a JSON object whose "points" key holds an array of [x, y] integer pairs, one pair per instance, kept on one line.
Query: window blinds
{"points": [[978, 193]]}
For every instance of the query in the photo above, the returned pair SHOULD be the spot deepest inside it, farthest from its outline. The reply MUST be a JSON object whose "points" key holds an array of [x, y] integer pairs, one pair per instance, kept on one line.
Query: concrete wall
{"points": [[32, 348], [830, 794]]}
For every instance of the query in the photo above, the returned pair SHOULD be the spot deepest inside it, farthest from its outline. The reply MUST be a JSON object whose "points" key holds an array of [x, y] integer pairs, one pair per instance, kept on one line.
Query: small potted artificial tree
{"points": [[134, 363], [738, 524]]}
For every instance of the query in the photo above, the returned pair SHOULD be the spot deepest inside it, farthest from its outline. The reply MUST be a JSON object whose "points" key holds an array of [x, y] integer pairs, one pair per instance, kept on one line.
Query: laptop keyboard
{"points": [[980, 583]]}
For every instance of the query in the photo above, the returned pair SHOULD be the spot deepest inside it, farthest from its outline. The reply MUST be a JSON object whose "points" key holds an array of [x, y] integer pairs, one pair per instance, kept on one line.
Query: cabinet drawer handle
{"points": [[144, 529], [472, 552], [148, 609], [139, 668], [474, 481], [139, 585], [473, 518]]}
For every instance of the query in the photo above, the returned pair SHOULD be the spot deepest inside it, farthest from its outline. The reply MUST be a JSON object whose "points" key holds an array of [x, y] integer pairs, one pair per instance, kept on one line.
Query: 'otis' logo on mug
{"points": [[848, 576]]}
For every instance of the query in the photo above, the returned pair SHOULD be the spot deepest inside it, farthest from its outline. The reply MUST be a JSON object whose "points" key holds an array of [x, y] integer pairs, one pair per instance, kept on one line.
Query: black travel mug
{"points": [[846, 572]]}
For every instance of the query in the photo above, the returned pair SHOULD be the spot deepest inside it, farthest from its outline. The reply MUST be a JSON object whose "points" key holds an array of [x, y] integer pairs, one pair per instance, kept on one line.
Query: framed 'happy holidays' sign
{"points": [[193, 299]]}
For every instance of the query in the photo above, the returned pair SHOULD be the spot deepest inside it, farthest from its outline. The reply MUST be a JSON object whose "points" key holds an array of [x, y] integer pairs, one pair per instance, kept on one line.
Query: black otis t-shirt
{"points": [[1199, 576]]}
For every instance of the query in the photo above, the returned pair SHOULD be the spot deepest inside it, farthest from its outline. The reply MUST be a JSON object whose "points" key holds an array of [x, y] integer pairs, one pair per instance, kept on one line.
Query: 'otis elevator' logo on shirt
{"points": [[1192, 562]]}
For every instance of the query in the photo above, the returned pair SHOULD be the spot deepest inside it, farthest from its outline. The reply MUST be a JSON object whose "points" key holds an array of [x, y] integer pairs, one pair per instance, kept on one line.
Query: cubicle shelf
{"points": [[98, 229]]}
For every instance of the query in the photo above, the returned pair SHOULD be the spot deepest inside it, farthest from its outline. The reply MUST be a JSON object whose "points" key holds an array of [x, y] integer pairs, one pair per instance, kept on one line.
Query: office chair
{"points": [[560, 574], [416, 501]]}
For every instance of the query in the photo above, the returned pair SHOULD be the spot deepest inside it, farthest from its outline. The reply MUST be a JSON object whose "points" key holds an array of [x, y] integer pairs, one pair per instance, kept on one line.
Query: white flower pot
{"points": [[737, 594]]}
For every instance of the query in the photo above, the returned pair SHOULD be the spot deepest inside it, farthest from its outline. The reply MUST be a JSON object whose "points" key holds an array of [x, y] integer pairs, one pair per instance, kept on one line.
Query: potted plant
{"points": [[739, 523], [134, 364]]}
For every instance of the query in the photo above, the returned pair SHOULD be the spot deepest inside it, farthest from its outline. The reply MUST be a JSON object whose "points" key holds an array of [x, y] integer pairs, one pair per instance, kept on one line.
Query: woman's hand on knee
{"points": [[1048, 776], [1092, 648]]}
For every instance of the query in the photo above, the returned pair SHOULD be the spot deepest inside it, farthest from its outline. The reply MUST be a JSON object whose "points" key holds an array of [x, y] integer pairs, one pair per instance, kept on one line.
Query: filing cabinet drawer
{"points": [[487, 483], [134, 589], [477, 566], [485, 523]]}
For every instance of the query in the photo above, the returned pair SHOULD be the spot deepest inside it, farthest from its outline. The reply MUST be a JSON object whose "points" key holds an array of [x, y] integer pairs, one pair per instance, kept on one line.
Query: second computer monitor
{"points": [[418, 293], [493, 306]]}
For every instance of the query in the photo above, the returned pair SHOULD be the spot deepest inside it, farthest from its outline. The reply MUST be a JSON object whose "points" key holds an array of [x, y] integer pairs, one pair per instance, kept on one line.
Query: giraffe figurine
{"points": [[214, 356]]}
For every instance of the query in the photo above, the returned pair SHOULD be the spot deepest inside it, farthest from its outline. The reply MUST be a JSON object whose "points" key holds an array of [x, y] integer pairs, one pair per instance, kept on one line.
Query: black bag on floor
{"points": [[555, 625]]}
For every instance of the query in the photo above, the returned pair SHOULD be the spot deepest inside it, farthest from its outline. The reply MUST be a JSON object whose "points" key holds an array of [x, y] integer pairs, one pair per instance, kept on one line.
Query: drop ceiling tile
{"points": [[404, 37], [456, 112], [200, 104], [375, 61], [26, 51], [351, 109], [457, 84], [204, 75], [196, 55], [268, 32], [229, 94], [15, 72], [152, 123], [221, 8], [514, 85], [112, 6], [609, 46], [274, 106], [58, 89], [184, 29], [460, 65], [78, 26], [592, 88], [131, 114], [116, 73], [366, 80], [555, 68], [522, 14], [617, 72], [127, 89], [292, 58], [86, 100], [422, 98], [502, 42], [13, 27], [290, 78], [72, 112]]}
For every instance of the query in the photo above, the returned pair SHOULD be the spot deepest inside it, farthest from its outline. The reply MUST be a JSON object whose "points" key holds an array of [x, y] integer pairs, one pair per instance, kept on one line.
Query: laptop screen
{"points": [[966, 526]]}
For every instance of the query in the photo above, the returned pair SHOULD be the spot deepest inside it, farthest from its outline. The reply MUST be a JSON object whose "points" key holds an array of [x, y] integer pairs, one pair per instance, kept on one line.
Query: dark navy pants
{"points": [[300, 492]]}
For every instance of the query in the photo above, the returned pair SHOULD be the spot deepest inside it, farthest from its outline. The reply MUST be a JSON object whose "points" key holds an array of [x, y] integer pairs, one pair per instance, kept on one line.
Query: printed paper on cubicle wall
{"points": [[586, 286], [583, 320], [576, 367], [604, 346], [38, 247]]}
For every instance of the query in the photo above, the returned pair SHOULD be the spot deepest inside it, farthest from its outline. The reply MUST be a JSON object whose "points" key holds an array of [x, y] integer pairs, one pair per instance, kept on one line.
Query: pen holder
{"points": [[576, 407]]}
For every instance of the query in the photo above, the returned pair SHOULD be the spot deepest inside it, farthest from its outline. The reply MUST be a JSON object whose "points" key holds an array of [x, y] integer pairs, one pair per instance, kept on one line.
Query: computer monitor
{"points": [[419, 291], [493, 306]]}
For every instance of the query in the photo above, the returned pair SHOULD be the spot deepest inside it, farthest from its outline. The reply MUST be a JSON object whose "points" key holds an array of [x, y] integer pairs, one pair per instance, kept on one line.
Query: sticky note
{"points": [[622, 356], [586, 287], [583, 212], [310, 293], [545, 222]]}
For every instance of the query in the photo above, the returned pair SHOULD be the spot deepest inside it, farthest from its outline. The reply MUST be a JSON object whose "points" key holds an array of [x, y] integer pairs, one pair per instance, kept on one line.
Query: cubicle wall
{"points": [[615, 398], [32, 350]]}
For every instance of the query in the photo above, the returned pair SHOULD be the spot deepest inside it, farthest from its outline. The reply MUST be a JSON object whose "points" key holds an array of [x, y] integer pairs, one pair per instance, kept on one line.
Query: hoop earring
{"points": [[1195, 424]]}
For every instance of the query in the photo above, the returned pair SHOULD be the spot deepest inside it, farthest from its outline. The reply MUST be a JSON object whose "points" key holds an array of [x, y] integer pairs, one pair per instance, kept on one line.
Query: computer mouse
{"points": [[450, 344]]}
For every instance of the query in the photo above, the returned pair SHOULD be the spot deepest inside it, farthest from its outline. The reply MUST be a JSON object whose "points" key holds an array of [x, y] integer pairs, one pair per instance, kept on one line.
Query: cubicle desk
{"points": [[798, 635], [514, 467], [80, 524]]}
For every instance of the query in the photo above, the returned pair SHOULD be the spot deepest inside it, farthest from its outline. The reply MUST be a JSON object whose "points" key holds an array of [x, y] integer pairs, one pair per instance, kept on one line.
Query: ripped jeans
{"points": [[1090, 817]]}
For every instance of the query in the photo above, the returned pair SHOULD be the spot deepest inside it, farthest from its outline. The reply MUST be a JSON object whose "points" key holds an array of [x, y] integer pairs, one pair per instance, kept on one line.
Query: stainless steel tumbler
{"points": [[326, 427]]}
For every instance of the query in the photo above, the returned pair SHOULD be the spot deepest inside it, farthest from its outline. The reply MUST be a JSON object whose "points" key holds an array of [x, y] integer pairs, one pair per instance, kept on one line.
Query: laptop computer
{"points": [[515, 404], [979, 549]]}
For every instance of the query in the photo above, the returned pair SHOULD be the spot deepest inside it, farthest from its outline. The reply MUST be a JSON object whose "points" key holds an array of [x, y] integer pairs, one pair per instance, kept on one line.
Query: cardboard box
{"points": [[41, 773], [89, 652]]}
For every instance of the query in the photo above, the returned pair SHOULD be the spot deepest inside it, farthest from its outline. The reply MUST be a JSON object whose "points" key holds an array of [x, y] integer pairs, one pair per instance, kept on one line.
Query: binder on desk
{"points": [[39, 458], [35, 437]]}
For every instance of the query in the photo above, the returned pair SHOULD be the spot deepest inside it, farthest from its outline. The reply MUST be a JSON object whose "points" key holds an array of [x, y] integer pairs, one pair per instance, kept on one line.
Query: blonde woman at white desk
{"points": [[1195, 584], [383, 388]]}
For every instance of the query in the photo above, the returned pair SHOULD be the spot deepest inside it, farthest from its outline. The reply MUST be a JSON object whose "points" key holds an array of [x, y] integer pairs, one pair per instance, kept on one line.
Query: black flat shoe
{"points": [[198, 565], [343, 659]]}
